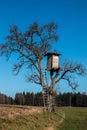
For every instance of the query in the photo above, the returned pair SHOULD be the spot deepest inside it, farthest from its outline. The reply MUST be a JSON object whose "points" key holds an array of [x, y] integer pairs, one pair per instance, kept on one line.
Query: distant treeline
{"points": [[32, 99]]}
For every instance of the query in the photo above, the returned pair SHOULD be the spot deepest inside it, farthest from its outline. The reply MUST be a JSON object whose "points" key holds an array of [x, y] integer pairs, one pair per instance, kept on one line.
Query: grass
{"points": [[75, 119], [39, 121]]}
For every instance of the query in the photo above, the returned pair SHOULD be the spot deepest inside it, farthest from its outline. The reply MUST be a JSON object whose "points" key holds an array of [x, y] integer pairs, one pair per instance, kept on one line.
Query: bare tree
{"points": [[32, 47]]}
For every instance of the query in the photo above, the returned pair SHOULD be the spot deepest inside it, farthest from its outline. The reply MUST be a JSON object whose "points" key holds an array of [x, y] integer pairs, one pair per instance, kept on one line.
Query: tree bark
{"points": [[52, 103]]}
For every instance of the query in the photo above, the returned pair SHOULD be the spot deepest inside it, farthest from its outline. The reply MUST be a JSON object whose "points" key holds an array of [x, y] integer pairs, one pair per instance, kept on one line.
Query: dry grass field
{"points": [[13, 117], [13, 111]]}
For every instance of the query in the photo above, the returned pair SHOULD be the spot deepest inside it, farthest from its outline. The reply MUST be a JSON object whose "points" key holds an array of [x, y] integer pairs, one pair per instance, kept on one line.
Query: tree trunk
{"points": [[49, 100], [52, 103]]}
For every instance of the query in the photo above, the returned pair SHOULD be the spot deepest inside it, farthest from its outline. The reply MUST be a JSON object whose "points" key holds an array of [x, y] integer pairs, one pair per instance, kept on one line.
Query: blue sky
{"points": [[71, 17]]}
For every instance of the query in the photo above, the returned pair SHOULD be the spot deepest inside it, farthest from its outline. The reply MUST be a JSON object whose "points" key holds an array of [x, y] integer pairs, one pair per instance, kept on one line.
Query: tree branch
{"points": [[34, 78], [69, 67], [72, 83]]}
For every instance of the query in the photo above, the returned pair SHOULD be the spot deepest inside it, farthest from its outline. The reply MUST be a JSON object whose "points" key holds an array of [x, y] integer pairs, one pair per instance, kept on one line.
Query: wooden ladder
{"points": [[46, 99]]}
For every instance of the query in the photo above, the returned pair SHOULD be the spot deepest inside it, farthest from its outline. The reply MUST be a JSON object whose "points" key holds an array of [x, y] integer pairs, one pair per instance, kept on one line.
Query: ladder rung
{"points": [[45, 95]]}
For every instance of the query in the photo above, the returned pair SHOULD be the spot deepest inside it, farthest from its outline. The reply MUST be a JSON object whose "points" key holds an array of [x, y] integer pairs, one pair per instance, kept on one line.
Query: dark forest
{"points": [[36, 99]]}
